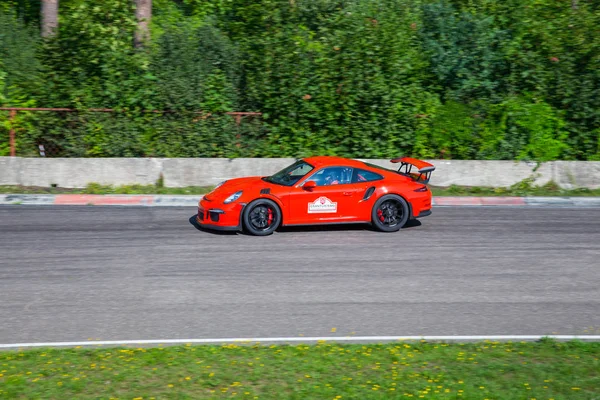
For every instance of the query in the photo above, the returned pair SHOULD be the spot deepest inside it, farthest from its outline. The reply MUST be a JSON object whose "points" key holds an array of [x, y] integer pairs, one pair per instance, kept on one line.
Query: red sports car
{"points": [[321, 190]]}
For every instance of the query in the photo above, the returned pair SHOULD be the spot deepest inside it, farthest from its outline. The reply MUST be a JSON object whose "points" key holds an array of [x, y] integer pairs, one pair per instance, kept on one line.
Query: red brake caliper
{"points": [[380, 215], [270, 216]]}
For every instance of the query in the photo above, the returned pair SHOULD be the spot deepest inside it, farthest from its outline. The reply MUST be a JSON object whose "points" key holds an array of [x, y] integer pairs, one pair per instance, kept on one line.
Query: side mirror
{"points": [[309, 185]]}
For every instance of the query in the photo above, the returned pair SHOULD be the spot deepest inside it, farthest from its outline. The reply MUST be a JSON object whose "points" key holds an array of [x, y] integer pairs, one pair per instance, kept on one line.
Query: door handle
{"points": [[348, 193]]}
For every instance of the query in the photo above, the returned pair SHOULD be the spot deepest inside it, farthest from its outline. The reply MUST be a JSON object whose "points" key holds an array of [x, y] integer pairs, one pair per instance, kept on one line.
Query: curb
{"points": [[192, 200]]}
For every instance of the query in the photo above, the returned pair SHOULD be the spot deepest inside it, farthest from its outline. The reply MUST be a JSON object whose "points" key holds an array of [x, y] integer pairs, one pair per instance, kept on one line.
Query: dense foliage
{"points": [[455, 79]]}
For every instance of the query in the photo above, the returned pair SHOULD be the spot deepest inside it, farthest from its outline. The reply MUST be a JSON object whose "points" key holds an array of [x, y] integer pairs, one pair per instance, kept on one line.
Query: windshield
{"points": [[290, 175]]}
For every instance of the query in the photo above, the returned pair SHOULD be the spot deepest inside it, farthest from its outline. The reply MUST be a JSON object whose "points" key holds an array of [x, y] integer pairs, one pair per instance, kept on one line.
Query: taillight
{"points": [[421, 189]]}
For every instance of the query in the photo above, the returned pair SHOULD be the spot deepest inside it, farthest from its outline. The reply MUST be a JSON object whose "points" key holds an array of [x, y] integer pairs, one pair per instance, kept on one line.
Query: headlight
{"points": [[233, 197]]}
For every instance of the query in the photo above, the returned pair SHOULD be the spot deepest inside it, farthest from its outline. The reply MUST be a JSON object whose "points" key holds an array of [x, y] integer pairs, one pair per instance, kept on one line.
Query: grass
{"points": [[520, 189], [95, 188], [486, 370], [524, 188]]}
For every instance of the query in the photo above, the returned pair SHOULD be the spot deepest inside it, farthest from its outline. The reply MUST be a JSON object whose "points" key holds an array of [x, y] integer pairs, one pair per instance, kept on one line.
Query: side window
{"points": [[361, 175], [332, 176]]}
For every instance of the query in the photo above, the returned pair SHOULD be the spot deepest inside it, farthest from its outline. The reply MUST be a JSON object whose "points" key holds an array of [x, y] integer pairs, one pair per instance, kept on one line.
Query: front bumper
{"points": [[220, 216]]}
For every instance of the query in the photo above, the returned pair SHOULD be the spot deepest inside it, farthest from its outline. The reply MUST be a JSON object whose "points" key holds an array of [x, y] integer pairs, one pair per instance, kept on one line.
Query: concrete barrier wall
{"points": [[179, 172], [482, 173], [577, 174]]}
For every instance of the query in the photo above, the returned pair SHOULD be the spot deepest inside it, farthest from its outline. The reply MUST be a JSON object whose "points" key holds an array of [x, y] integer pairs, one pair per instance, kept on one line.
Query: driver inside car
{"points": [[332, 178]]}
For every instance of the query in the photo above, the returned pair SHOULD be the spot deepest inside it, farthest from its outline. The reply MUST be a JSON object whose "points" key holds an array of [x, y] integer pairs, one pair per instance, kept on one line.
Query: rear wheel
{"points": [[261, 217], [390, 213]]}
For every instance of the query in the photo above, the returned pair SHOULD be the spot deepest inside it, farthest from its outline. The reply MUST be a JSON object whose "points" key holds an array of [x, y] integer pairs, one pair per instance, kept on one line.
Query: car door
{"points": [[329, 200]]}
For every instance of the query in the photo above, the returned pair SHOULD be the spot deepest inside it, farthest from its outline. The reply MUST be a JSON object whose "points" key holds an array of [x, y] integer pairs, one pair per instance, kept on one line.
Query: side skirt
{"points": [[330, 223]]}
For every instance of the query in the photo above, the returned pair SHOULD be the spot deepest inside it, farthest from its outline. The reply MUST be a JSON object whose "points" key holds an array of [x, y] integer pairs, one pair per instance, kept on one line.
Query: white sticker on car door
{"points": [[322, 205]]}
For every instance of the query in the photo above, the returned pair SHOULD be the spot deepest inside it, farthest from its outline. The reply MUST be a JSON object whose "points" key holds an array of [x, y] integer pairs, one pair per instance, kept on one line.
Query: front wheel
{"points": [[390, 213], [261, 217]]}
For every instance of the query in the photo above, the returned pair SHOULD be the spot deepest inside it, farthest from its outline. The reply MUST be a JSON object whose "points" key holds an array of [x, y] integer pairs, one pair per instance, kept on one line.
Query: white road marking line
{"points": [[305, 339]]}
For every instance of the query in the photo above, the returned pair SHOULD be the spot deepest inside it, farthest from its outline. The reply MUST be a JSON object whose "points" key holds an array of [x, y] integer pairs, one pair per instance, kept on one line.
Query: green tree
{"points": [[465, 52], [492, 79]]}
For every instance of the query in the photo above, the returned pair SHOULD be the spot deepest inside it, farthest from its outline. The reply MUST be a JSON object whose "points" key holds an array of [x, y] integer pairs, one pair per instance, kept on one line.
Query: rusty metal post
{"points": [[11, 119]]}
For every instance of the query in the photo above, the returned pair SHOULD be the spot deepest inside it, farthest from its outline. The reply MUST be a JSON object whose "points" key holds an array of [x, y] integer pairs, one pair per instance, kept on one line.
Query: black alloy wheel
{"points": [[390, 213], [261, 217]]}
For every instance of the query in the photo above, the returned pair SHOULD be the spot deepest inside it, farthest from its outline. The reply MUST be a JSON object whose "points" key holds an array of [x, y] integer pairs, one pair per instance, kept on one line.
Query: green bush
{"points": [[486, 79], [525, 129]]}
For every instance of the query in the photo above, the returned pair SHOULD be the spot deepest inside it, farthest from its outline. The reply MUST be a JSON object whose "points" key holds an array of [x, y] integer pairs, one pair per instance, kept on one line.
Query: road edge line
{"points": [[464, 338]]}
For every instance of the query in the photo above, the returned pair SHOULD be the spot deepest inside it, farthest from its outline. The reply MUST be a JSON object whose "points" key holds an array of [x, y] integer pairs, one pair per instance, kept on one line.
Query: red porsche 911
{"points": [[321, 190]]}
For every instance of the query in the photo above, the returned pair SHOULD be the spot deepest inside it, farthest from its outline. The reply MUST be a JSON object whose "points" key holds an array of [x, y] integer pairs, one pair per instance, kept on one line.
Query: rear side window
{"points": [[361, 175]]}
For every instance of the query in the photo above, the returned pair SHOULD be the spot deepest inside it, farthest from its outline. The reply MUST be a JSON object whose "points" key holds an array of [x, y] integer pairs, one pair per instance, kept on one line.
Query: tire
{"points": [[261, 217], [390, 213]]}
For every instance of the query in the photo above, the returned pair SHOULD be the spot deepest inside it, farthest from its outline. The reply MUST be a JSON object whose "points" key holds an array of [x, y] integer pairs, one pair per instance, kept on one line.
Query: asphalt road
{"points": [[119, 273]]}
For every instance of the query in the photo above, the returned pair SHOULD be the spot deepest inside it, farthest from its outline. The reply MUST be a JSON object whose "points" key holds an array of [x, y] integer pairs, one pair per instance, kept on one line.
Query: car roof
{"points": [[324, 161]]}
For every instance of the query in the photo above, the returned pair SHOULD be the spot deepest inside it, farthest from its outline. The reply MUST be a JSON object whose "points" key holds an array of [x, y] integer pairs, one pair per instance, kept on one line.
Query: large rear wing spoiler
{"points": [[423, 168]]}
